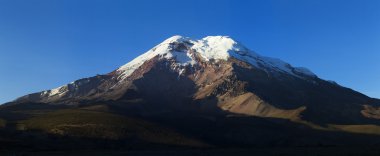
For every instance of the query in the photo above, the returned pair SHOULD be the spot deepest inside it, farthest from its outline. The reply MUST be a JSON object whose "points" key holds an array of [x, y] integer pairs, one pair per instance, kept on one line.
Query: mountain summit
{"points": [[212, 48], [215, 83]]}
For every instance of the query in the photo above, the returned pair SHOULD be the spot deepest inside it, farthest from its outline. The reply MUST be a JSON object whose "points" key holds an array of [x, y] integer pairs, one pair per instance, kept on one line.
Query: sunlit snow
{"points": [[211, 48]]}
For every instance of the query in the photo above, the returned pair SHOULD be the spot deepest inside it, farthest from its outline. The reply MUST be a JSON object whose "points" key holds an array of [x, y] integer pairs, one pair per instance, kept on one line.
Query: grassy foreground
{"points": [[102, 125]]}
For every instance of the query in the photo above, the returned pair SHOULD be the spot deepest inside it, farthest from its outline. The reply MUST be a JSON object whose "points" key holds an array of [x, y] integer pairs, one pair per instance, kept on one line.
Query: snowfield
{"points": [[211, 48]]}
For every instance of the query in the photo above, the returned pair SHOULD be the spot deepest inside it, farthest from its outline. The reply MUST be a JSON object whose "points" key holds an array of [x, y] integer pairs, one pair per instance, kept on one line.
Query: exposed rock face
{"points": [[215, 75]]}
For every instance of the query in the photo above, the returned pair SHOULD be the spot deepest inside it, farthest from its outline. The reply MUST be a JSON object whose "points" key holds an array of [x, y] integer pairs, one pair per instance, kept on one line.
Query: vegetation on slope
{"points": [[101, 125], [2, 123]]}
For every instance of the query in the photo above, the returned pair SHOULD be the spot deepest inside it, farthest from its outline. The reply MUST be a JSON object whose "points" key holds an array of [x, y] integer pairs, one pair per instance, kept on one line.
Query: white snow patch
{"points": [[182, 58], [214, 47], [304, 71], [277, 64], [211, 48], [54, 91]]}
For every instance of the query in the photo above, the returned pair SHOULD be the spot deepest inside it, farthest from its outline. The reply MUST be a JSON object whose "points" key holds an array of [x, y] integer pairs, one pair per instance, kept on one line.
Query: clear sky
{"points": [[48, 43]]}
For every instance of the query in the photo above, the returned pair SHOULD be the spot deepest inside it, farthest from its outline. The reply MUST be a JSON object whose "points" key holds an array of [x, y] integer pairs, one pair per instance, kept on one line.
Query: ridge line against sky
{"points": [[45, 44]]}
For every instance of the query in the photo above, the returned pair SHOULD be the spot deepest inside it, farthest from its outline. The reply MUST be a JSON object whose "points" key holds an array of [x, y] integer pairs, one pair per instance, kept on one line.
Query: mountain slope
{"points": [[216, 71], [211, 83], [180, 52]]}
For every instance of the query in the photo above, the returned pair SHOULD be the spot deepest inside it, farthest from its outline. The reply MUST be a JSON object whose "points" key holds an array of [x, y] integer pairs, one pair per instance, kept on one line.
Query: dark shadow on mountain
{"points": [[161, 90]]}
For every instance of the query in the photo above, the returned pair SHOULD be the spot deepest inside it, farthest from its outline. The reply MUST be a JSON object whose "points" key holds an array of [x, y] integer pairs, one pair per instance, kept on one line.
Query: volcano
{"points": [[212, 92]]}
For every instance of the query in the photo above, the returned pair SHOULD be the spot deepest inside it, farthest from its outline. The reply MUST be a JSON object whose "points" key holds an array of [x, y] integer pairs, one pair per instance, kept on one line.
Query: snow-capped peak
{"points": [[175, 38], [219, 47], [210, 48]]}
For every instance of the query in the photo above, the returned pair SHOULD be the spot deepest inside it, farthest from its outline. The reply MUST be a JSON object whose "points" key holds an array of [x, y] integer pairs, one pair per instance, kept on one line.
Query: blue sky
{"points": [[47, 43]]}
